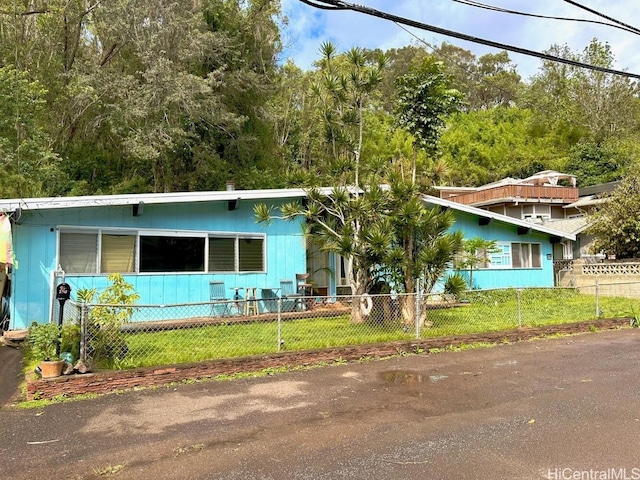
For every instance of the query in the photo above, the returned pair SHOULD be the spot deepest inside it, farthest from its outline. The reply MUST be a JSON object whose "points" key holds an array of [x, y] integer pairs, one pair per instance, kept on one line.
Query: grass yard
{"points": [[486, 311], [491, 311], [233, 340]]}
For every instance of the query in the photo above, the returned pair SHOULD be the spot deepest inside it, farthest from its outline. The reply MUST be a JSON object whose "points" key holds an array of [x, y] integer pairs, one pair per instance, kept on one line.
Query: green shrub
{"points": [[44, 341], [70, 339], [113, 309], [454, 285]]}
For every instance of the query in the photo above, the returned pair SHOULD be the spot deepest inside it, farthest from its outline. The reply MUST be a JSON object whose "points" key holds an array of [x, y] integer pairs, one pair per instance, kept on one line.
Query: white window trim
{"points": [[509, 265]]}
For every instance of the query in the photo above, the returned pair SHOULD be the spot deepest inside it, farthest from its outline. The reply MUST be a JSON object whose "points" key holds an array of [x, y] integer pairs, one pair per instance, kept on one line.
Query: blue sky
{"points": [[308, 27]]}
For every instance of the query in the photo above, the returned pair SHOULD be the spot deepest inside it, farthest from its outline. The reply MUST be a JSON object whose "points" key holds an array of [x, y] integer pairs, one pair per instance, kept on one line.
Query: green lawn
{"points": [[484, 312], [498, 310], [233, 340]]}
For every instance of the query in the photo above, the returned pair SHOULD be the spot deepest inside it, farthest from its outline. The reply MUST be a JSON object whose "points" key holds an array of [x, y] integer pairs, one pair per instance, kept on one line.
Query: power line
{"points": [[342, 5], [493, 8], [595, 12]]}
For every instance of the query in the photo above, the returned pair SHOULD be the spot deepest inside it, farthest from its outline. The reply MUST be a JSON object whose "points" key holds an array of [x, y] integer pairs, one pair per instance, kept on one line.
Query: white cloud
{"points": [[309, 27]]}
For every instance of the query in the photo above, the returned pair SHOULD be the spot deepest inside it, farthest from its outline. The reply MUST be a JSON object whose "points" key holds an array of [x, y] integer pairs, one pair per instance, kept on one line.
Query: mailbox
{"points": [[63, 292]]}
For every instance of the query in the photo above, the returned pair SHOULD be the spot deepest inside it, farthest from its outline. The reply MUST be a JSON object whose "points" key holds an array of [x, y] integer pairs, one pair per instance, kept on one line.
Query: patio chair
{"points": [[290, 297], [269, 299], [219, 302]]}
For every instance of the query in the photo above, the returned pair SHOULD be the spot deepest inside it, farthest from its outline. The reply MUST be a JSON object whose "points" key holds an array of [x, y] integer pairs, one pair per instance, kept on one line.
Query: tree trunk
{"points": [[407, 302], [358, 289], [408, 309]]}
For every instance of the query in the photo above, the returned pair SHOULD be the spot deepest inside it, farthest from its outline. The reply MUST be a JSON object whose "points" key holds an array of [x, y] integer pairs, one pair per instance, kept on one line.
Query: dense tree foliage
{"points": [[153, 96], [27, 161], [615, 223], [487, 145]]}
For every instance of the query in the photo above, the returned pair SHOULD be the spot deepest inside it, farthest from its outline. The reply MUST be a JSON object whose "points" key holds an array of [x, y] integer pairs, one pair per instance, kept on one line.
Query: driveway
{"points": [[553, 408]]}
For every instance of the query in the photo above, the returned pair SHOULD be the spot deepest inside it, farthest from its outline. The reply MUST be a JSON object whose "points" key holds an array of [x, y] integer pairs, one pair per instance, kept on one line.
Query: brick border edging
{"points": [[119, 380]]}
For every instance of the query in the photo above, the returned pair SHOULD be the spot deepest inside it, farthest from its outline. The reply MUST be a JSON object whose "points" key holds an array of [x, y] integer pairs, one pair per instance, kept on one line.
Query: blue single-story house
{"points": [[524, 256], [170, 246]]}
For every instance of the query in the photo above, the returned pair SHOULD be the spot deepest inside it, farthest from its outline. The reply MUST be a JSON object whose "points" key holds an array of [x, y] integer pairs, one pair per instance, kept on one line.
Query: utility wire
{"points": [[595, 12], [493, 8], [342, 5], [323, 7]]}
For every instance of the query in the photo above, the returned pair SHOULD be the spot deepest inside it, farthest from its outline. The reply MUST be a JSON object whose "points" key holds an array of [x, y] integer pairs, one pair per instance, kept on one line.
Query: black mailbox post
{"points": [[63, 293]]}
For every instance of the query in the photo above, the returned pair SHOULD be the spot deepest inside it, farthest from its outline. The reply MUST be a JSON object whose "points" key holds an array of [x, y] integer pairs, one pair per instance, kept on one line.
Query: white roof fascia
{"points": [[461, 189], [148, 198], [496, 216], [587, 202], [499, 183]]}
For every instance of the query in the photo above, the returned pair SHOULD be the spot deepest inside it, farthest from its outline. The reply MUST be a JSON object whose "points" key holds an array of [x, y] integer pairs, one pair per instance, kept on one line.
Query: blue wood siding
{"points": [[507, 277], [35, 242]]}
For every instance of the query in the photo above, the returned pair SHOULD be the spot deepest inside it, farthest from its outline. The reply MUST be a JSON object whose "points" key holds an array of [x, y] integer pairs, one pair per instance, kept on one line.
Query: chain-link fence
{"points": [[118, 336]]}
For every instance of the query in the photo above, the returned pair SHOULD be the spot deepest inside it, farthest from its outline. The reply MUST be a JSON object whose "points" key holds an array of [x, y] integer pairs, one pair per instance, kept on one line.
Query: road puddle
{"points": [[402, 377], [407, 377]]}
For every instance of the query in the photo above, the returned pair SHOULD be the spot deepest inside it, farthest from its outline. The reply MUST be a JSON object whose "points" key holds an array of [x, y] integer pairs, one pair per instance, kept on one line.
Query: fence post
{"points": [[417, 309], [518, 294], [597, 299], [84, 309], [280, 342]]}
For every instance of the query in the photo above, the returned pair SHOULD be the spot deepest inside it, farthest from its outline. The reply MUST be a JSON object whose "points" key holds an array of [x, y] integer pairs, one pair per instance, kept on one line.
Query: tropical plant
{"points": [[344, 221], [615, 223], [114, 308], [44, 341], [426, 98], [455, 285], [475, 252], [70, 338], [421, 246]]}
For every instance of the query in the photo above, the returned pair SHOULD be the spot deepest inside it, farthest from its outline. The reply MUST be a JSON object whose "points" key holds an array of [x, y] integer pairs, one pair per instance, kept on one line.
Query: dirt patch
{"points": [[110, 381]]}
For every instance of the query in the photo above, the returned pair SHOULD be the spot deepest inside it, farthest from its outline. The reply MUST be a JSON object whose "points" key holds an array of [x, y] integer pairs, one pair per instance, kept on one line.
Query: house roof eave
{"points": [[497, 216], [45, 203]]}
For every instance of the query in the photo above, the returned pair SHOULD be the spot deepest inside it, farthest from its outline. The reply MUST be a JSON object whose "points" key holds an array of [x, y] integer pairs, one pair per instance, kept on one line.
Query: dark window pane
{"points": [[222, 257], [171, 254], [250, 250]]}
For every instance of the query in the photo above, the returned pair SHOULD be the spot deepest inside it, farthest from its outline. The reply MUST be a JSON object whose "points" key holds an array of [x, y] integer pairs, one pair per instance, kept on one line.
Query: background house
{"points": [[168, 246], [545, 195], [549, 198], [577, 222]]}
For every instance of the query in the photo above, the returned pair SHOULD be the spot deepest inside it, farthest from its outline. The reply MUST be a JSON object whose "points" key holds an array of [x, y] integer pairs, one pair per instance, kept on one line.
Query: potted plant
{"points": [[44, 342]]}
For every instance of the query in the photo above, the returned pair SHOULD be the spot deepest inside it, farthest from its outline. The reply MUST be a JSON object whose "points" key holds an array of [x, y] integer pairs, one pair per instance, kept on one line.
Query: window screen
{"points": [[222, 256], [526, 255], [250, 254], [118, 254]]}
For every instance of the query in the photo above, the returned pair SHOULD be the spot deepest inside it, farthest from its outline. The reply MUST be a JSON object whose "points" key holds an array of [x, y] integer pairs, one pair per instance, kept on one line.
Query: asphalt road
{"points": [[560, 408], [10, 372]]}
